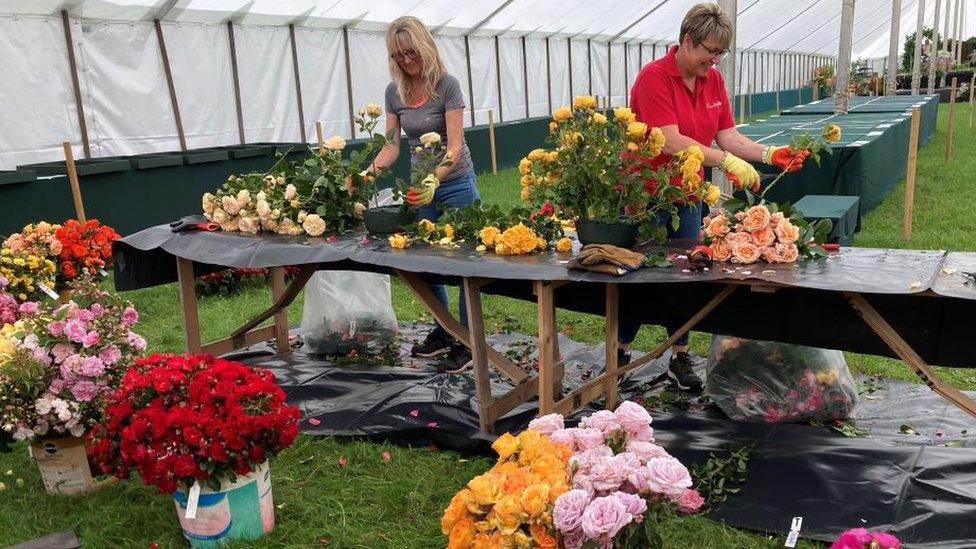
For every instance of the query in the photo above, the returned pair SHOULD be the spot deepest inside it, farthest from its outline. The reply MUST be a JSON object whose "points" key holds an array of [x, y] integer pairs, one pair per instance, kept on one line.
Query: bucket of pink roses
{"points": [[57, 364], [201, 429]]}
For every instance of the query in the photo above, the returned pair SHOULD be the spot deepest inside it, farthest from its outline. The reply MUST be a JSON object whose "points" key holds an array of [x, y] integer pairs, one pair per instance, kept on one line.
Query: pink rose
{"points": [[29, 308], [604, 517], [717, 227], [757, 217], [632, 416], [574, 539], [634, 504], [689, 501], [41, 355], [110, 355], [564, 436], [640, 479], [667, 476], [568, 511], [97, 309], [721, 251], [608, 474], [886, 541], [604, 420], [547, 424], [83, 391], [90, 339], [856, 538], [75, 330], [587, 438], [745, 252], [56, 328], [644, 435], [787, 232], [776, 218], [646, 450], [130, 316], [628, 460], [92, 366], [135, 341]]}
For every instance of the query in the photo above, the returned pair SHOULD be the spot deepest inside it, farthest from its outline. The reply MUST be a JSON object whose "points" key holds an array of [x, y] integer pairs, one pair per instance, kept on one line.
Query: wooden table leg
{"points": [[281, 316], [904, 351], [612, 323], [479, 355], [188, 304], [547, 331]]}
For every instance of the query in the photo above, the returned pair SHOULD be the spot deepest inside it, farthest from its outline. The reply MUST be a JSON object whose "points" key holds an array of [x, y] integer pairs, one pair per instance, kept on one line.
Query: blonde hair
{"points": [[408, 32], [705, 20]]}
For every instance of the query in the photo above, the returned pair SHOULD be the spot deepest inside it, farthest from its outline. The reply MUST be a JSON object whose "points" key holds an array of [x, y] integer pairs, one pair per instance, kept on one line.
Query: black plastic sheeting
{"points": [[924, 295], [913, 485]]}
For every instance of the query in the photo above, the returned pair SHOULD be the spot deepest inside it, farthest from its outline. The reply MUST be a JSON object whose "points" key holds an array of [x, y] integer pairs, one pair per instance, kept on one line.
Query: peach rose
{"points": [[745, 252], [718, 227], [775, 218], [738, 237], [764, 237], [788, 252], [757, 217], [770, 254], [721, 251], [787, 232]]}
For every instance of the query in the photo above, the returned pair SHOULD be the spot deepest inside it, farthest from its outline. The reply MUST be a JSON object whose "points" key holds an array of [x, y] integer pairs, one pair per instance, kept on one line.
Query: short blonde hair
{"points": [[707, 20], [406, 33]]}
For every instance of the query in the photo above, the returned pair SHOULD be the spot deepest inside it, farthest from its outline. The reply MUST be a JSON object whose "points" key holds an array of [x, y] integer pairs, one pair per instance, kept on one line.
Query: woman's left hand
{"points": [[785, 159]]}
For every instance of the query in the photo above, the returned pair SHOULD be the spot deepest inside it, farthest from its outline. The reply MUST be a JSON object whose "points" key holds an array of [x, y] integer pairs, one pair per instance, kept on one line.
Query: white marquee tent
{"points": [[309, 60]]}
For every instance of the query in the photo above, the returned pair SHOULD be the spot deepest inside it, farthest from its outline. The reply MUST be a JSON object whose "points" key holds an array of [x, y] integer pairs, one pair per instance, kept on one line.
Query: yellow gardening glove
{"points": [[740, 172], [423, 194]]}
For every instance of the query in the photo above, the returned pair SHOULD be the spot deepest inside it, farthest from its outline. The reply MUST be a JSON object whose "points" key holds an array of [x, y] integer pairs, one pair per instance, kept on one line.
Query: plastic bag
{"points": [[772, 382], [346, 311]]}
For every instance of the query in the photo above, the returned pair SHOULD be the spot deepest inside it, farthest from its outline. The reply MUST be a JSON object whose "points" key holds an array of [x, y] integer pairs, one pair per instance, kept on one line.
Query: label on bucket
{"points": [[192, 501]]}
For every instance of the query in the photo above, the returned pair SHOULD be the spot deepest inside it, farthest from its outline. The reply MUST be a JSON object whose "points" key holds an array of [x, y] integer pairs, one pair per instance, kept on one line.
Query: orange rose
{"points": [[776, 218], [745, 252], [764, 237], [721, 251], [757, 217], [770, 254], [542, 537], [534, 499], [507, 444], [508, 514], [483, 541], [515, 482], [718, 227], [454, 512], [788, 252], [483, 489], [462, 535], [787, 232], [742, 236]]}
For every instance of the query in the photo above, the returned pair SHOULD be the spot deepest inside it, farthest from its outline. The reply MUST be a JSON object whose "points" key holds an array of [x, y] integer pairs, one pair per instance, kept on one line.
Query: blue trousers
{"points": [[689, 227], [457, 191]]}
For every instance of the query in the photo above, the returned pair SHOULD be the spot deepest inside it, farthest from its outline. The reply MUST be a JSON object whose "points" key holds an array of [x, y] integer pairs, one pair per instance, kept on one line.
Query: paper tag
{"points": [[192, 499], [794, 532], [352, 328], [50, 293], [103, 272]]}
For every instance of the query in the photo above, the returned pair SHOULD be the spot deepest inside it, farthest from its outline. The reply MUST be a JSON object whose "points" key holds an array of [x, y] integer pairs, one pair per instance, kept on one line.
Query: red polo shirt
{"points": [[660, 98]]}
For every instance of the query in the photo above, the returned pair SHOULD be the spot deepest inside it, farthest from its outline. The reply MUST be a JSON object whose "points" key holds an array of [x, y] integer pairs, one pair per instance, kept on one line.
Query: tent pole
{"points": [[569, 51], [237, 81], [917, 61], [467, 59], [842, 94], [525, 76], [298, 81], [548, 77], [169, 84], [609, 100], [892, 62], [589, 67], [79, 107], [957, 33], [498, 80], [352, 117], [934, 53]]}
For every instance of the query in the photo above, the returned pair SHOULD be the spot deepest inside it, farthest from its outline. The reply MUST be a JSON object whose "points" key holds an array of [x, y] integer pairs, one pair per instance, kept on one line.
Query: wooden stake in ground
{"points": [[972, 83], [491, 141], [952, 111], [906, 226], [318, 134], [69, 159], [742, 109], [778, 111]]}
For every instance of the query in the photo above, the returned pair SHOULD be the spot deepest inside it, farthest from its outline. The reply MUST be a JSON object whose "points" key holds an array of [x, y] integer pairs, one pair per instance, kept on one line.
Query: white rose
{"points": [[244, 198], [294, 203], [208, 203], [335, 143], [357, 209], [290, 192], [219, 216], [232, 224], [248, 225], [313, 225], [280, 180], [263, 209], [231, 206], [430, 139], [261, 196], [286, 226]]}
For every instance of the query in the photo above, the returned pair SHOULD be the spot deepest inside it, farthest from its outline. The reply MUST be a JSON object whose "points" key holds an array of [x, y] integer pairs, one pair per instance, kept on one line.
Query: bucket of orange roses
{"points": [[201, 429]]}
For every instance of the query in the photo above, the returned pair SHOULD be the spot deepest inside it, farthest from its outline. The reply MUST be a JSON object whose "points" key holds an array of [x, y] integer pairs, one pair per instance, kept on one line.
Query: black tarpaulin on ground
{"points": [[927, 301], [911, 484]]}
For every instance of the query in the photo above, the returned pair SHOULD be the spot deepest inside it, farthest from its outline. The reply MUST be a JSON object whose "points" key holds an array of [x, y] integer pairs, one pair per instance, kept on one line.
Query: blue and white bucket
{"points": [[239, 510]]}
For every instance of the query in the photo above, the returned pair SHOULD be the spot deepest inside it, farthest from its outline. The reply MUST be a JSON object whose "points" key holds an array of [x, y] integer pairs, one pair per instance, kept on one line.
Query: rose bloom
{"points": [[721, 251], [568, 511], [776, 218], [689, 501], [564, 244], [770, 254], [632, 416], [757, 217], [430, 139], [373, 109], [314, 225], [787, 232], [230, 205], [547, 424], [666, 475], [604, 517], [737, 237], [787, 252], [718, 226], [335, 143], [290, 192], [745, 252], [764, 237]]}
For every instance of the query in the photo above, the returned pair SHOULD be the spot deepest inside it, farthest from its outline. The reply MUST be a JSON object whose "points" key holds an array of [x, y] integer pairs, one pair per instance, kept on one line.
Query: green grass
{"points": [[374, 503]]}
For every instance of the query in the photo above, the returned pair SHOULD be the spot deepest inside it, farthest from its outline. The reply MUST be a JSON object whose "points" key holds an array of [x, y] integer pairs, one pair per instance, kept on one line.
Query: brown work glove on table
{"points": [[607, 259]]}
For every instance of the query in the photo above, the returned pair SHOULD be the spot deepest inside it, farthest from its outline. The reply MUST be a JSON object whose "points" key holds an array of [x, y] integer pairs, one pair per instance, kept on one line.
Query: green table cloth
{"points": [[841, 210], [885, 104]]}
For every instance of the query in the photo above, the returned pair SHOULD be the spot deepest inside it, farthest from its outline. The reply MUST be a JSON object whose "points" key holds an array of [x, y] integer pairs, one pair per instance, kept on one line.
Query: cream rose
{"points": [[286, 226], [335, 143], [757, 217], [745, 252], [248, 225], [788, 252], [358, 209], [243, 198], [231, 224], [263, 209], [787, 232], [770, 254], [373, 109], [219, 216], [230, 205], [290, 192], [208, 203], [313, 225], [430, 139]]}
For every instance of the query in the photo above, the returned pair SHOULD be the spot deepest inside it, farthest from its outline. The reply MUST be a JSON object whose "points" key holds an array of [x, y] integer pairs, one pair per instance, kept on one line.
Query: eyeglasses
{"points": [[715, 53], [400, 56]]}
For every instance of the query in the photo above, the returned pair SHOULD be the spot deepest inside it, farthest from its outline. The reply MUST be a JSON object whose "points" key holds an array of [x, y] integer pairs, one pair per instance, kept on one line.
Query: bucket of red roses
{"points": [[201, 429], [58, 362]]}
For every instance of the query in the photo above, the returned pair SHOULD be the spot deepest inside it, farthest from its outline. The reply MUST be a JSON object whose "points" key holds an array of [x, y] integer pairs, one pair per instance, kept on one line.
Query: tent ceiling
{"points": [[805, 26]]}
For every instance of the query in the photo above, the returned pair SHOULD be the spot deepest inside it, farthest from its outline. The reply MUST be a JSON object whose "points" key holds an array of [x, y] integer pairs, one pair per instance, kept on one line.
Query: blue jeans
{"points": [[457, 191], [689, 227]]}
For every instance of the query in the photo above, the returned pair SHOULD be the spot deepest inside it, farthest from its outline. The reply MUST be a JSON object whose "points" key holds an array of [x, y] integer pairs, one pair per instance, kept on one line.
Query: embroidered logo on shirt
{"points": [[713, 105]]}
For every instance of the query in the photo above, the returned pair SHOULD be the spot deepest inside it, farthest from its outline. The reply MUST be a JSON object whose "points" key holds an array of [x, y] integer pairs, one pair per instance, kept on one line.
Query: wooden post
{"points": [[169, 84], [952, 111], [972, 83], [467, 59], [569, 55], [479, 355], [298, 82], [749, 100], [906, 226], [352, 110], [525, 76], [498, 83], [69, 159], [75, 85], [547, 331], [548, 78], [612, 323], [778, 111], [188, 305], [237, 81], [589, 68], [281, 317], [321, 140], [491, 141], [742, 109]]}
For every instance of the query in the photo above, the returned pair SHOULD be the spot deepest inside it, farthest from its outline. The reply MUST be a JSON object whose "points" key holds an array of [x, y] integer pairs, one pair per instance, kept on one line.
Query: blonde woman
{"points": [[423, 98]]}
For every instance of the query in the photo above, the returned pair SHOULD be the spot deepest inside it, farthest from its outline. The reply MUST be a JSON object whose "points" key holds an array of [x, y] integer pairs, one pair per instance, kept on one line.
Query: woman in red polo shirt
{"points": [[684, 95]]}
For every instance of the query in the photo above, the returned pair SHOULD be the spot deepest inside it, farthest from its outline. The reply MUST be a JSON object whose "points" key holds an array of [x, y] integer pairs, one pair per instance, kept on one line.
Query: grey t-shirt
{"points": [[429, 117]]}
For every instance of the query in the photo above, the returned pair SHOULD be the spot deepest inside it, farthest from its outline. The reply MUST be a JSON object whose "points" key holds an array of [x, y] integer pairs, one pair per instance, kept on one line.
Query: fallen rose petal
{"points": [[432, 424], [386, 456], [414, 413], [332, 238], [343, 462], [313, 421]]}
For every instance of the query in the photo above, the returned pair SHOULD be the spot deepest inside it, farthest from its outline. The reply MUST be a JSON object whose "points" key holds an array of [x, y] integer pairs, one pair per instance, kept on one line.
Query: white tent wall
{"points": [[484, 77], [322, 68], [580, 67], [535, 55], [203, 83], [451, 49], [559, 71], [512, 79], [618, 87], [127, 104], [37, 110], [598, 69], [370, 73], [267, 79], [633, 68]]}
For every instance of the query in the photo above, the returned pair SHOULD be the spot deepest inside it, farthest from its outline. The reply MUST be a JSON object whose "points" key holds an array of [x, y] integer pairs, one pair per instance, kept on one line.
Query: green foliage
{"points": [[719, 477]]}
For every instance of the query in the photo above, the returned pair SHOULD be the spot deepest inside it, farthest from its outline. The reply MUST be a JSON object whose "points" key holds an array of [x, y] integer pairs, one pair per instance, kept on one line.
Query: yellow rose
{"points": [[632, 147], [599, 119], [712, 195], [541, 244], [525, 166], [828, 377], [526, 193], [462, 534], [552, 156], [552, 127], [562, 114], [636, 130], [624, 115], [831, 132], [399, 241], [536, 155], [449, 231], [695, 152], [564, 245], [584, 102], [430, 139], [483, 490], [534, 499], [527, 180], [425, 226], [507, 444], [501, 248], [508, 513], [335, 143], [488, 235], [373, 109], [531, 443]]}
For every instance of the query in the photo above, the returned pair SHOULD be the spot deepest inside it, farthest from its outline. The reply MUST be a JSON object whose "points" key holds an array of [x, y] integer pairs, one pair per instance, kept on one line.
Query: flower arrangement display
{"points": [[512, 504], [601, 169], [38, 239], [621, 483], [823, 77], [320, 194], [25, 272], [86, 249], [177, 420], [774, 382], [860, 538], [59, 362]]}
